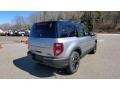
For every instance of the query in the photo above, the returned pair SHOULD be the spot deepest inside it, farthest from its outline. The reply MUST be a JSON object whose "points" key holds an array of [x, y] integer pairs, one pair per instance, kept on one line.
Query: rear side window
{"points": [[66, 30], [44, 30]]}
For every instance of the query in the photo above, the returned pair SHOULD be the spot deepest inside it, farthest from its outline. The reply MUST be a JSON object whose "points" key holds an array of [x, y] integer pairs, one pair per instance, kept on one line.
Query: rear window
{"points": [[44, 30]]}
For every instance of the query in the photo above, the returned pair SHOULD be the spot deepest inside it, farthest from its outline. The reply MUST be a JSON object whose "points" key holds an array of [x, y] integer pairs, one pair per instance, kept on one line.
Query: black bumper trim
{"points": [[50, 61]]}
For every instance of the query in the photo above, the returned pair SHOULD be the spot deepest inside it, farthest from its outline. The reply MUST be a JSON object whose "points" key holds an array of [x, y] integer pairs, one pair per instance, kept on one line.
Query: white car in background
{"points": [[2, 33]]}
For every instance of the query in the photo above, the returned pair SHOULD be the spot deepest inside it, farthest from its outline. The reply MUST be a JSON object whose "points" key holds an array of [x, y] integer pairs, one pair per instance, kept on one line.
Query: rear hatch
{"points": [[42, 38]]}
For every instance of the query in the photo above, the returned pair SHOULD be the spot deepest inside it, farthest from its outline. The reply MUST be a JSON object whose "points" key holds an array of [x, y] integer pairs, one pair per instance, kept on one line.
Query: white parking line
{"points": [[100, 40], [110, 34]]}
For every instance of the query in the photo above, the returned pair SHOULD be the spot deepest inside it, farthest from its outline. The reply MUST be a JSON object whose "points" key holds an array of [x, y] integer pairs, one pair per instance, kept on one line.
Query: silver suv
{"points": [[61, 44]]}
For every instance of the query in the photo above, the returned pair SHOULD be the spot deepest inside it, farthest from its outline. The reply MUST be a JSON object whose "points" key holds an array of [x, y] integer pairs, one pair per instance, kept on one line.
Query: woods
{"points": [[97, 21]]}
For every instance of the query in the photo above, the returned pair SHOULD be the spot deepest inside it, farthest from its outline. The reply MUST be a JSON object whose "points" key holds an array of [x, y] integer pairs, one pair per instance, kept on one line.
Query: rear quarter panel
{"points": [[70, 44]]}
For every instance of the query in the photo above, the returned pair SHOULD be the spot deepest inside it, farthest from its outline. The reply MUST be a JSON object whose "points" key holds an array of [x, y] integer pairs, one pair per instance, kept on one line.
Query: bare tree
{"points": [[5, 26], [19, 22]]}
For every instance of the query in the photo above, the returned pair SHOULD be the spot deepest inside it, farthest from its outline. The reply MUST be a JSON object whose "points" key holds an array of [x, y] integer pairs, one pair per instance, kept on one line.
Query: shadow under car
{"points": [[36, 69]]}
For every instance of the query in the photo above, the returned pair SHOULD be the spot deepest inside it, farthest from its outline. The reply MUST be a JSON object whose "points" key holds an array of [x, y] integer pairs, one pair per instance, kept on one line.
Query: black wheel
{"points": [[73, 63], [94, 49]]}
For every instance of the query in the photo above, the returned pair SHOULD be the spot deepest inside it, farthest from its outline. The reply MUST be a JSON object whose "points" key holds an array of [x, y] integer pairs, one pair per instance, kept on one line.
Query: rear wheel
{"points": [[73, 63]]}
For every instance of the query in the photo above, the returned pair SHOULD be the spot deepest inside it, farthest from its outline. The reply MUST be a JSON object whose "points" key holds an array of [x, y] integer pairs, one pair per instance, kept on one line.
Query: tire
{"points": [[94, 49], [73, 63]]}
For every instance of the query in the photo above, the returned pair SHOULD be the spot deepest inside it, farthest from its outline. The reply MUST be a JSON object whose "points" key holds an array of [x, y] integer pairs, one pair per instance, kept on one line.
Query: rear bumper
{"points": [[50, 61]]}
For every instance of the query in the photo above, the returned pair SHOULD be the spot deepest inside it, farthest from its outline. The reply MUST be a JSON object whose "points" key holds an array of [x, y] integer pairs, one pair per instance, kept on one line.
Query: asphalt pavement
{"points": [[105, 64]]}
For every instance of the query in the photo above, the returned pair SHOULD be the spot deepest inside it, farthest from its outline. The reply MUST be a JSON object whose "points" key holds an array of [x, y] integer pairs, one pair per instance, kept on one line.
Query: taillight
{"points": [[58, 48]]}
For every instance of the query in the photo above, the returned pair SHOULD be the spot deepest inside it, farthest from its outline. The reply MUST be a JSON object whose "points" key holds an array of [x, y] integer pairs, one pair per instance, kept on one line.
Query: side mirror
{"points": [[92, 34]]}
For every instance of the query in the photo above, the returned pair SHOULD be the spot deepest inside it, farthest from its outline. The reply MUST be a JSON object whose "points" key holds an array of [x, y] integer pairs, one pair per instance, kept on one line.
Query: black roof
{"points": [[56, 21], [74, 22]]}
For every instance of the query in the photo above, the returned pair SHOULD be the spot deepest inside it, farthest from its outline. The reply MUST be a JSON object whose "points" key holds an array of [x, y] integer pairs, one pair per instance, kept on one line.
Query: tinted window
{"points": [[72, 30], [44, 30], [86, 31], [66, 30], [80, 30]]}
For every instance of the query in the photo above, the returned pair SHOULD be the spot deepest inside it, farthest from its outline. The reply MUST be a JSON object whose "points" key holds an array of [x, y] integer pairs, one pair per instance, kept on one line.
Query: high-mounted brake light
{"points": [[58, 48]]}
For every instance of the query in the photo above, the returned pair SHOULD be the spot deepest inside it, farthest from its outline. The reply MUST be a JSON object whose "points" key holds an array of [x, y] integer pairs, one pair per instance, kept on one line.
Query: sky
{"points": [[8, 16]]}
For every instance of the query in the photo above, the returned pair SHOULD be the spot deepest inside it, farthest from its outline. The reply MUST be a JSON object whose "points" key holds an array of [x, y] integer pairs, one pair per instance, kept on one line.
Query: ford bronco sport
{"points": [[61, 44]]}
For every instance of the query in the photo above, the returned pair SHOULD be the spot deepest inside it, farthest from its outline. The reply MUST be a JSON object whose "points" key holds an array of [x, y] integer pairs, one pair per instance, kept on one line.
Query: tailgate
{"points": [[41, 46]]}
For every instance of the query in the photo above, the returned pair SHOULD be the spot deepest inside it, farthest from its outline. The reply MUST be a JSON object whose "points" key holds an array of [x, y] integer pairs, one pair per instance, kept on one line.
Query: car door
{"points": [[89, 38], [93, 39], [83, 41]]}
